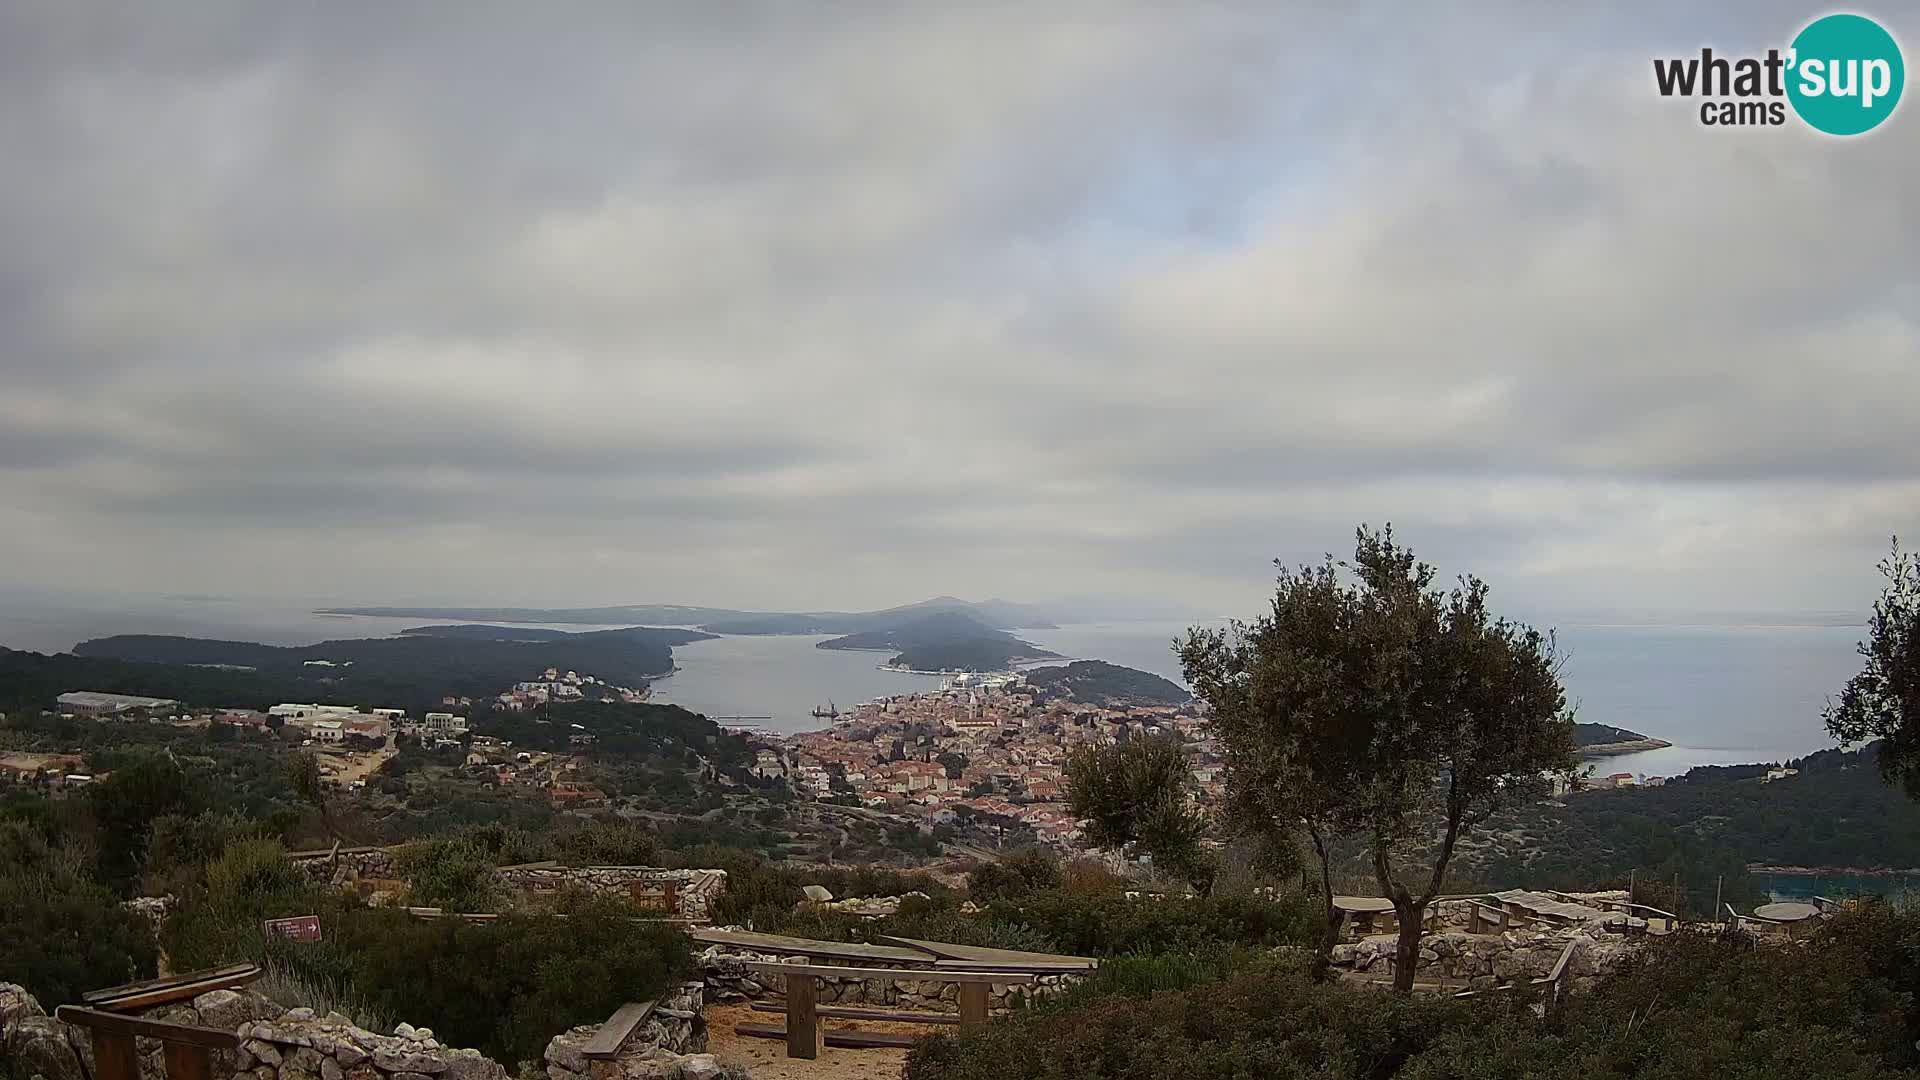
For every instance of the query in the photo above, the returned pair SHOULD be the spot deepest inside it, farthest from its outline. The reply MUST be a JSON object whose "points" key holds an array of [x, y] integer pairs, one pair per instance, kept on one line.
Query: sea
{"points": [[1722, 690]]}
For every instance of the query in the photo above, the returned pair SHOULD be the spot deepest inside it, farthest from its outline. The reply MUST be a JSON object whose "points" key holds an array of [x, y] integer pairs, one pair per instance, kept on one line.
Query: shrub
{"points": [[1249, 1026], [456, 874], [249, 875], [1022, 873], [61, 934]]}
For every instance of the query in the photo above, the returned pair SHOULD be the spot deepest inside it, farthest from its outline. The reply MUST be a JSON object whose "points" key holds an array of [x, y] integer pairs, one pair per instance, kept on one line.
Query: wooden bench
{"points": [[188, 1050], [803, 1031], [613, 1034]]}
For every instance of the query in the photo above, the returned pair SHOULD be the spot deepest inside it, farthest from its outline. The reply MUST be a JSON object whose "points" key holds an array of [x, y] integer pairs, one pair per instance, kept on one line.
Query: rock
{"points": [[348, 1053], [410, 1076], [472, 1065], [331, 1070], [700, 1067], [363, 1072], [818, 894], [300, 1015], [288, 1072], [37, 1043], [403, 1031], [267, 1053], [408, 1062], [566, 1054]]}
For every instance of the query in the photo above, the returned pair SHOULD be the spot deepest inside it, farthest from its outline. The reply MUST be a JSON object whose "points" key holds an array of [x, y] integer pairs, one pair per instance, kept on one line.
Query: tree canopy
{"points": [[1369, 701], [1883, 700], [1134, 797]]}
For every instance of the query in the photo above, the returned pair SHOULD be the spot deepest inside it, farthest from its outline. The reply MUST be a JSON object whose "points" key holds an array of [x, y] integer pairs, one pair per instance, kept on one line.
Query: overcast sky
{"points": [[843, 305]]}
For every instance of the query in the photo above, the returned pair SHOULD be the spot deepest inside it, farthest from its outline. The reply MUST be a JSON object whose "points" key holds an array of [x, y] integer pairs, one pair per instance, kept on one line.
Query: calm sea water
{"points": [[1902, 887], [1726, 693]]}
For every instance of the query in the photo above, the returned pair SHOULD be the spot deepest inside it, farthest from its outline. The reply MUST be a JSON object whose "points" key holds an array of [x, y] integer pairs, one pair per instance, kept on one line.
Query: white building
{"points": [[327, 731]]}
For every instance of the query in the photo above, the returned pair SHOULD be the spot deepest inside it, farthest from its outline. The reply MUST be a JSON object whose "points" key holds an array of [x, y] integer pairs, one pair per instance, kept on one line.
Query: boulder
{"points": [[228, 1009], [37, 1045]]}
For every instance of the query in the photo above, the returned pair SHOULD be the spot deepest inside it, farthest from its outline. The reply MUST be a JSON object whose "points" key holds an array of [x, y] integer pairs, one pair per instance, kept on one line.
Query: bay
{"points": [[1724, 691]]}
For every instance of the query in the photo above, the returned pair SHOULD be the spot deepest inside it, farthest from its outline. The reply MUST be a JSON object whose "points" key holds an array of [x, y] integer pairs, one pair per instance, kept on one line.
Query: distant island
{"points": [[465, 660], [944, 641], [1604, 740], [996, 614], [1097, 682]]}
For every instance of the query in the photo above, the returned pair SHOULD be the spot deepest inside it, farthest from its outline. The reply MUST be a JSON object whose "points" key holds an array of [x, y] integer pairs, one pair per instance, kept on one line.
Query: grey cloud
{"points": [[827, 306]]}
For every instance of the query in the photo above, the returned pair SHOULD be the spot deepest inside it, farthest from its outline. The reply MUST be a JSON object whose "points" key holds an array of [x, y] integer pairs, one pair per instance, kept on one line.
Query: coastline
{"points": [[1831, 871]]}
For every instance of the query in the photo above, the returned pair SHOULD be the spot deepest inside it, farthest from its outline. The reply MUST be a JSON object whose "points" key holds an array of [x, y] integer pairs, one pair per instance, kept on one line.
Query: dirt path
{"points": [[768, 1057]]}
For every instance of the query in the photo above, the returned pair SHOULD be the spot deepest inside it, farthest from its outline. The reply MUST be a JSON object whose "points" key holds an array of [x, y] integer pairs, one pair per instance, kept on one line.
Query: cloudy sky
{"points": [[811, 305]]}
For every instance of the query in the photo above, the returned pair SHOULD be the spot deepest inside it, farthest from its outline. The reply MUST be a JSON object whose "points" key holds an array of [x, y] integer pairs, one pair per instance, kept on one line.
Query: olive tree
{"points": [[1372, 706], [1883, 700], [1134, 796]]}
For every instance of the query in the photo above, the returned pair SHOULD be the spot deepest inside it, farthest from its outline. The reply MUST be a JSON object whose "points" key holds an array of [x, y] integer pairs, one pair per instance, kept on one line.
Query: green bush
{"points": [[456, 874], [1253, 1026], [62, 934], [1839, 1007], [1020, 874]]}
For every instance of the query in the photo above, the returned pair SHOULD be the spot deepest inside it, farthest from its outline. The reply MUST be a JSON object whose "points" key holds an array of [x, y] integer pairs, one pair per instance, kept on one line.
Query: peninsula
{"points": [[1603, 740]]}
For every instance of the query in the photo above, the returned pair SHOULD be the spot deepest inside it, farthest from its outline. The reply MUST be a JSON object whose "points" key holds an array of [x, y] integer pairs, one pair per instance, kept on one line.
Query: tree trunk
{"points": [[1323, 958], [1406, 951]]}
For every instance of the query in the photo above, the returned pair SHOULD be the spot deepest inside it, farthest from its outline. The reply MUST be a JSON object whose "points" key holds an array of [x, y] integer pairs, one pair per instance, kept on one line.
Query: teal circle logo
{"points": [[1845, 74]]}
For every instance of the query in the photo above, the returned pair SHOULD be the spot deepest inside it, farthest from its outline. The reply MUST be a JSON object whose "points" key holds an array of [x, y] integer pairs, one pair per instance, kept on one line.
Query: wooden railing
{"points": [[188, 1050]]}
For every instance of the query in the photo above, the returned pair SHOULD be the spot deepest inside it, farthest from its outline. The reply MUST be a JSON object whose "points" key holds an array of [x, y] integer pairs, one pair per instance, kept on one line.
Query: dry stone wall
{"points": [[1488, 960], [694, 891], [670, 1044], [295, 1044], [276, 1043]]}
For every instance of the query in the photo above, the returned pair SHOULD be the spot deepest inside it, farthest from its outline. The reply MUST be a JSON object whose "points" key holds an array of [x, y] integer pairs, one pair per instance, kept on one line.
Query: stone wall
{"points": [[1487, 960], [694, 890], [276, 1043], [729, 980], [294, 1044], [670, 1044]]}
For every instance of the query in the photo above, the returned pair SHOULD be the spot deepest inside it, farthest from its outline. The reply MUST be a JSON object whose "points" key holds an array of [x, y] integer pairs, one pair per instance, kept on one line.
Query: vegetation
{"points": [[505, 986], [1883, 700], [1373, 702], [1840, 1007], [1602, 735], [412, 671], [1134, 797], [1100, 683]]}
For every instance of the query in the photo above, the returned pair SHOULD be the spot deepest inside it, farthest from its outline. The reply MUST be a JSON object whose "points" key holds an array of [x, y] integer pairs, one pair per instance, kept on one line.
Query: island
{"points": [[461, 660], [947, 641], [1096, 682], [1604, 740]]}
